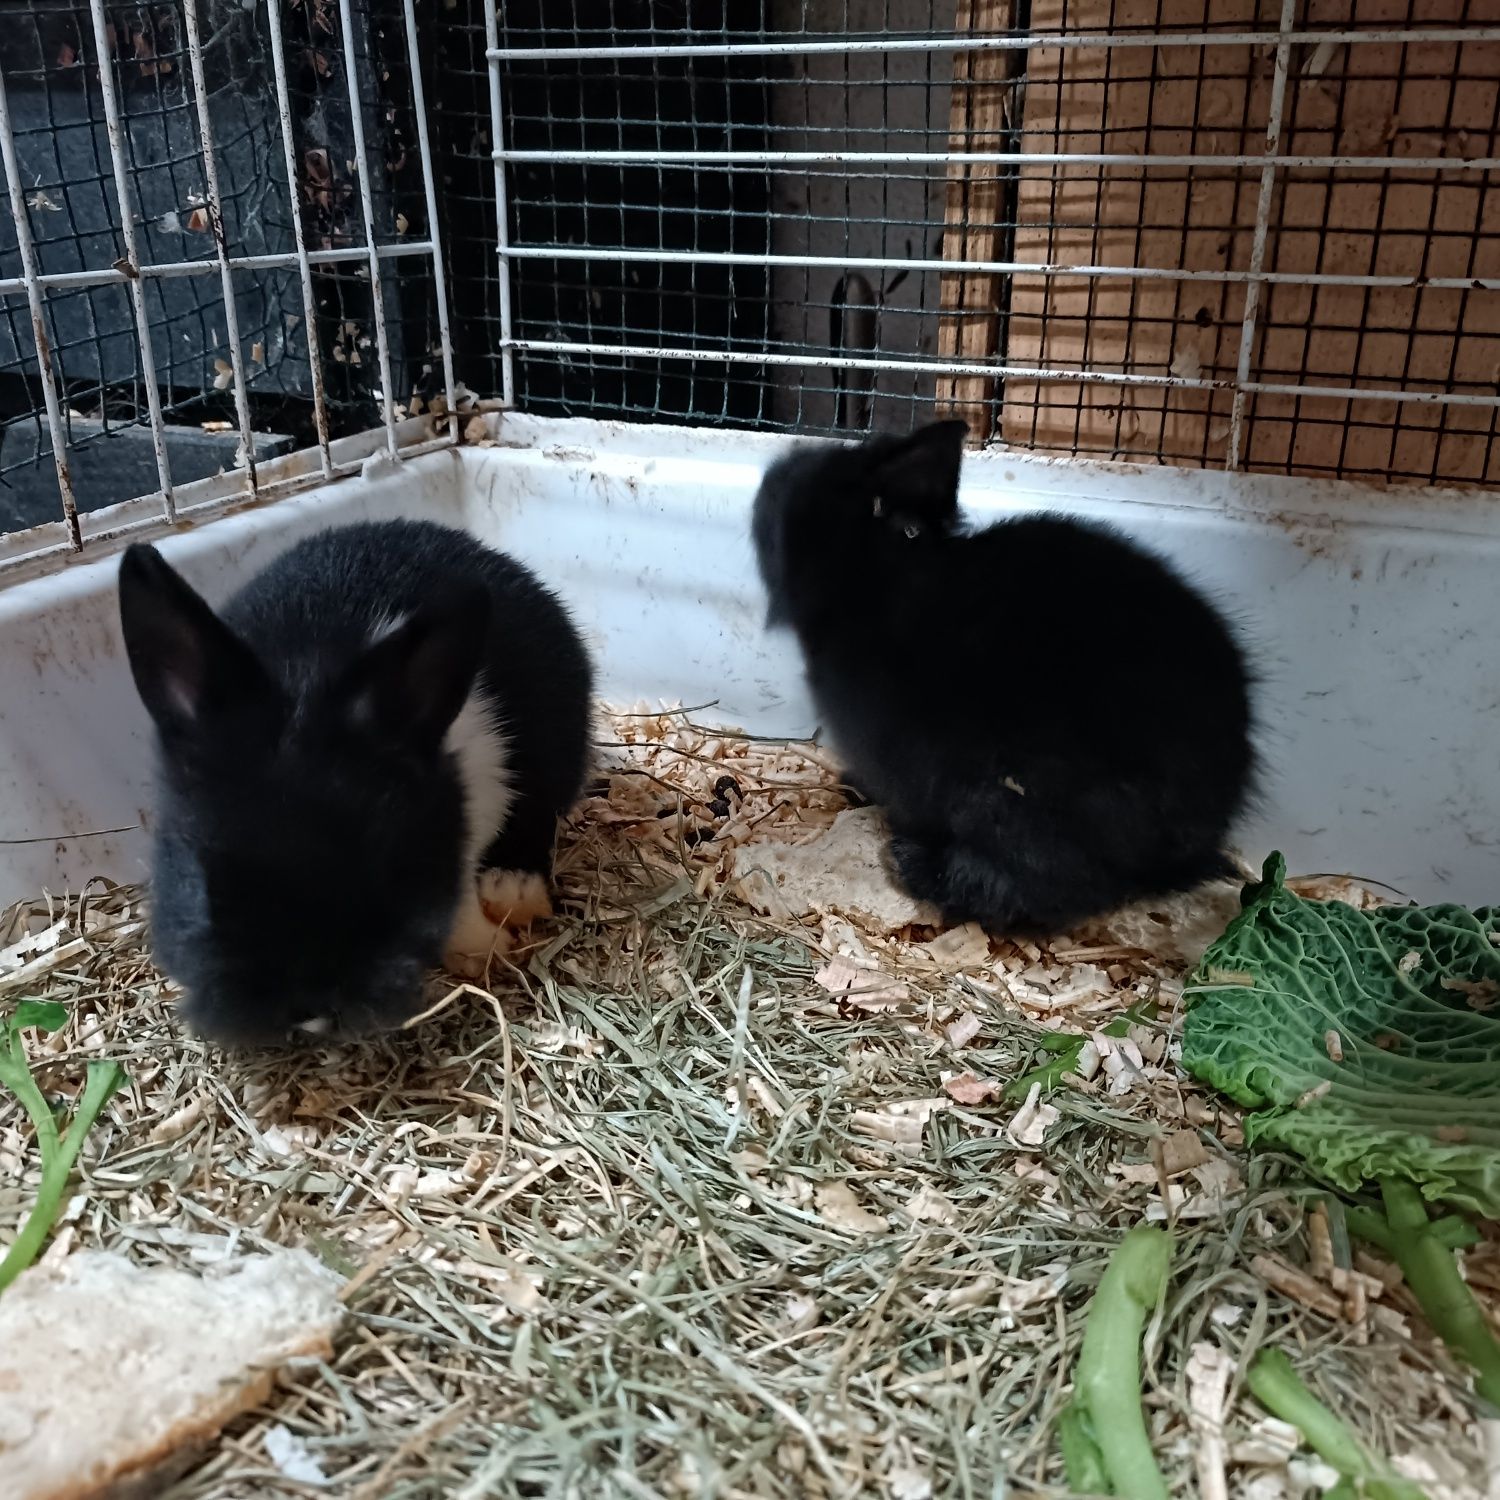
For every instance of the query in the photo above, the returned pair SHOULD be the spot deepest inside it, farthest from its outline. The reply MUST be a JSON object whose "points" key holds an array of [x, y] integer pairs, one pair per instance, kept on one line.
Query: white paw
{"points": [[514, 898], [475, 964], [473, 941]]}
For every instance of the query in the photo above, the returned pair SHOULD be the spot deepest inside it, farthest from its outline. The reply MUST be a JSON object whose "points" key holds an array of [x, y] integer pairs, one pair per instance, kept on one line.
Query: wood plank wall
{"points": [[1423, 100]]}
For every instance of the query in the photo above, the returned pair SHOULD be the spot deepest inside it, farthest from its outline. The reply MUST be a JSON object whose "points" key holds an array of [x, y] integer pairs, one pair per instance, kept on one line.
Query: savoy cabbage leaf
{"points": [[1367, 1042]]}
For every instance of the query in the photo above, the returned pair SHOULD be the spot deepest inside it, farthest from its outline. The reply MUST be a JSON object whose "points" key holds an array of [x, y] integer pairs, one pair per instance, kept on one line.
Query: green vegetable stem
{"points": [[1066, 1049], [1424, 1251], [1082, 1461], [58, 1151], [1277, 1386], [1106, 1415]]}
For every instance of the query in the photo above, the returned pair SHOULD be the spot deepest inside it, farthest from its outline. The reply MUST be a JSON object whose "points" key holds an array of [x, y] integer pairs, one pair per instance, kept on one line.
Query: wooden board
{"points": [[1430, 99]]}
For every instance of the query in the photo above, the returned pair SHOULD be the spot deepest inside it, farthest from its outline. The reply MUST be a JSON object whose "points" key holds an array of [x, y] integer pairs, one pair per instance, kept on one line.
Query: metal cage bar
{"points": [[1261, 234], [1067, 41], [32, 286], [116, 132], [72, 281], [613, 158], [429, 189], [812, 360], [502, 207], [215, 207], [272, 488], [304, 260], [1270, 166], [367, 206], [624, 255]]}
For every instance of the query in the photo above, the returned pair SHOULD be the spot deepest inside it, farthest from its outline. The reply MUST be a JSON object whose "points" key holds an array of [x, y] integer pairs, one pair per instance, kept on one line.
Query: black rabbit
{"points": [[1055, 723], [362, 761]]}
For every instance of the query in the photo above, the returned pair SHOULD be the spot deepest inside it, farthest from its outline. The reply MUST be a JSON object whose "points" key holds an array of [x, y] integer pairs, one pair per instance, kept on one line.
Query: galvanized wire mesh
{"points": [[1173, 235], [51, 62]]}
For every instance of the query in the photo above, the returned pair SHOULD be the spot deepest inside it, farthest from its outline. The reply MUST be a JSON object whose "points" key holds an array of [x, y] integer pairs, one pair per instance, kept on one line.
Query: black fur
{"points": [[311, 823], [1055, 723]]}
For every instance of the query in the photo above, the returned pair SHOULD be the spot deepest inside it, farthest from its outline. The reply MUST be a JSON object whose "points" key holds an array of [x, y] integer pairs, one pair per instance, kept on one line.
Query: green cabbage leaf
{"points": [[1366, 1042]]}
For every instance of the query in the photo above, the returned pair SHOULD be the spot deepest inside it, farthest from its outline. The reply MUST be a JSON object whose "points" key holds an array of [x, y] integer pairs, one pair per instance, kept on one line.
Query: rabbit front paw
{"points": [[514, 898]]}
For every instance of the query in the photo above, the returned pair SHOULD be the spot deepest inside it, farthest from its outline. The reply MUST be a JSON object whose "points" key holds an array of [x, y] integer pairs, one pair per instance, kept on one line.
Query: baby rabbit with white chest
{"points": [[1055, 723], [362, 762]]}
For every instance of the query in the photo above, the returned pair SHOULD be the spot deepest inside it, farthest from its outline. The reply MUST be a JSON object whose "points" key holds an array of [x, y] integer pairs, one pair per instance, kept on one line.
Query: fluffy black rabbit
{"points": [[384, 713], [983, 687]]}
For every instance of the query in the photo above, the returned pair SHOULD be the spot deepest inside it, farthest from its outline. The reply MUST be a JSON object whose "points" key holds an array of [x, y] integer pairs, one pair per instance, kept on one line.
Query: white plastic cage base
{"points": [[1378, 633]]}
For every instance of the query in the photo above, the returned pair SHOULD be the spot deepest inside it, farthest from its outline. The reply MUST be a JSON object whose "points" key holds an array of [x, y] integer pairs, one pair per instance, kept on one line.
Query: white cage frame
{"points": [[54, 542]]}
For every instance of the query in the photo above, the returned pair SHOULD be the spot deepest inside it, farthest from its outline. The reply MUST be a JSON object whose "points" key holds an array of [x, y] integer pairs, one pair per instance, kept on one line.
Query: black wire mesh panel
{"points": [[649, 105], [52, 75], [1157, 355], [710, 104]]}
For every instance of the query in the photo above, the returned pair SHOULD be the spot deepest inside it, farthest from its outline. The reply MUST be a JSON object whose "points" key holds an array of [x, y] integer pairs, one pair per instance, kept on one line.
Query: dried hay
{"points": [[694, 1201]]}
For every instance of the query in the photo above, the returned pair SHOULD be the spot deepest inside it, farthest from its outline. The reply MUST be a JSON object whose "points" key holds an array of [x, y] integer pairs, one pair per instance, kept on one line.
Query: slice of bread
{"points": [[113, 1378]]}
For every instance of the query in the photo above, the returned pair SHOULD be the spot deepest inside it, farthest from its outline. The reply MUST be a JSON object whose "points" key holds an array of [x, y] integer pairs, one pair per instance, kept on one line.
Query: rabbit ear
{"points": [[190, 668], [410, 685], [919, 475]]}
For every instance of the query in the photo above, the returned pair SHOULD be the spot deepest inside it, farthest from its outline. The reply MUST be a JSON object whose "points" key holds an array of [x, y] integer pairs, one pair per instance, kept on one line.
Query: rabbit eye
{"points": [[913, 531]]}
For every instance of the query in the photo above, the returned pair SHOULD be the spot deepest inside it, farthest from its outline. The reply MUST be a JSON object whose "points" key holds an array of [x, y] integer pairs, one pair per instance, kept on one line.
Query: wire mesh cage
{"points": [[1176, 231], [209, 206], [1254, 234]]}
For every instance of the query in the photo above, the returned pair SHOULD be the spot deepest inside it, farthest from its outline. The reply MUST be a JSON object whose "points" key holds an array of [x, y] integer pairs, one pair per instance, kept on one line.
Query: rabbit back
{"points": [[521, 738], [1055, 721]]}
